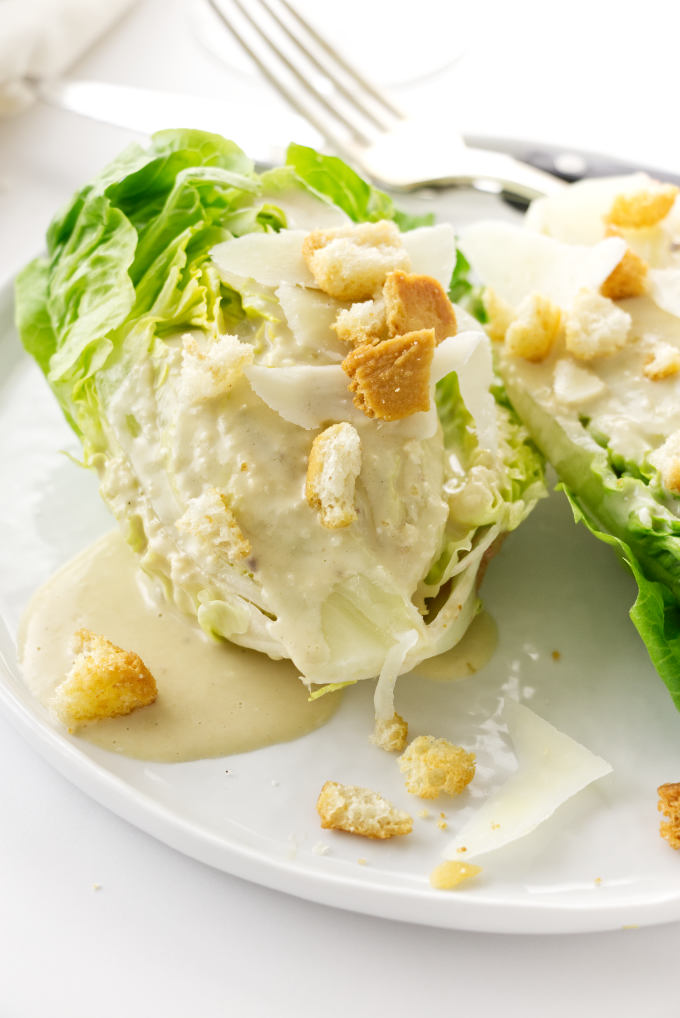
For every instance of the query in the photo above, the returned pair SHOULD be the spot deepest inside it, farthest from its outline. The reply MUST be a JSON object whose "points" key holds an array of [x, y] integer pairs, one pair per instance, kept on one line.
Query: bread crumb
{"points": [[424, 813], [362, 861], [662, 362], [433, 766], [597, 881], [390, 735], [105, 681], [595, 326], [556, 655], [364, 322], [320, 848], [669, 806], [333, 467], [352, 262], [452, 873], [627, 279], [666, 459], [211, 369], [414, 302], [442, 825], [499, 315], [392, 380], [96, 887], [642, 208], [360, 811], [534, 330], [210, 518]]}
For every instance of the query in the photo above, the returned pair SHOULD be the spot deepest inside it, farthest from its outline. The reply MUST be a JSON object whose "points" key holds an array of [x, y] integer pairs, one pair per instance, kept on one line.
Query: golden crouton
{"points": [[104, 682], [414, 302], [642, 208], [210, 518], [351, 262], [662, 363], [392, 379], [333, 467], [361, 323], [433, 766], [390, 735], [533, 332], [595, 326], [358, 810], [627, 279], [669, 806], [452, 873], [499, 315]]}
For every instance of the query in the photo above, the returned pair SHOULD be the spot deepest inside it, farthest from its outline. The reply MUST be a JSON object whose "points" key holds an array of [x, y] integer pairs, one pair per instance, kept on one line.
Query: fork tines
{"points": [[308, 72]]}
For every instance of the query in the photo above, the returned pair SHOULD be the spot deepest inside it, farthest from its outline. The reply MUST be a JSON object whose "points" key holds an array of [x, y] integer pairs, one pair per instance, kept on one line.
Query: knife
{"points": [[145, 110]]}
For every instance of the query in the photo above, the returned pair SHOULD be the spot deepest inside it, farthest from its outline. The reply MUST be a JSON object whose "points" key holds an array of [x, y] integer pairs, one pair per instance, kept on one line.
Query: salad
{"points": [[584, 300], [245, 411]]}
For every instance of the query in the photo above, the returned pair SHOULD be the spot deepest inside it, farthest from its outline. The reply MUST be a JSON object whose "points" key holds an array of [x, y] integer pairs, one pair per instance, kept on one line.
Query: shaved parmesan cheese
{"points": [[551, 768], [515, 262], [574, 385], [432, 250], [310, 314], [576, 214], [305, 395], [268, 258], [664, 289]]}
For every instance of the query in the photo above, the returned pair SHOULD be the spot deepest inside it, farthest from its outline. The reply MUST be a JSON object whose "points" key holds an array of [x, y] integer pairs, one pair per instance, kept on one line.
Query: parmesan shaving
{"points": [[551, 768]]}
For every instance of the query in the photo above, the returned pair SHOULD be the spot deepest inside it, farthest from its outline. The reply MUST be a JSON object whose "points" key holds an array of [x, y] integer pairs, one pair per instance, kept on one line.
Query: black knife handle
{"points": [[567, 163]]}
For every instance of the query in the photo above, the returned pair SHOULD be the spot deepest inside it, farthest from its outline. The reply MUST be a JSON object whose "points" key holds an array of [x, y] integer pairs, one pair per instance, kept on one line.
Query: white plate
{"points": [[597, 864]]}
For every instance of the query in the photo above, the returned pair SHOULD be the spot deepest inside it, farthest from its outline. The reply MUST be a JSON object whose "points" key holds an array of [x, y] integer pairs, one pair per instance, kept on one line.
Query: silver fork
{"points": [[358, 121]]}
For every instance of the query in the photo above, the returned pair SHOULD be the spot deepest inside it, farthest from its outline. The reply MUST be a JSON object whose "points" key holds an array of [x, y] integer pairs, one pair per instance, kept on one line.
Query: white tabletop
{"points": [[98, 919]]}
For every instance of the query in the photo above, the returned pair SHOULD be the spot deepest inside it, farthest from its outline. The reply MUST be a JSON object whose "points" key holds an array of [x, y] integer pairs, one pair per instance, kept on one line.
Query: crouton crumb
{"points": [[452, 873], [414, 302], [669, 806], [433, 766], [666, 459], [105, 681], [392, 380], [361, 323], [663, 362], [627, 279], [642, 208], [333, 467], [352, 262], [595, 326], [390, 735], [533, 332], [499, 315], [211, 520], [360, 811]]}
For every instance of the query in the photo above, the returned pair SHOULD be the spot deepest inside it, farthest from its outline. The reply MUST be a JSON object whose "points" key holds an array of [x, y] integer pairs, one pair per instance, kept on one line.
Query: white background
{"points": [[98, 919]]}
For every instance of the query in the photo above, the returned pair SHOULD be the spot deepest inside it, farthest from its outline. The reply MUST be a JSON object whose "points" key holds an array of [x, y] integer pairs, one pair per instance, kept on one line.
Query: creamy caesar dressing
{"points": [[214, 699], [467, 657]]}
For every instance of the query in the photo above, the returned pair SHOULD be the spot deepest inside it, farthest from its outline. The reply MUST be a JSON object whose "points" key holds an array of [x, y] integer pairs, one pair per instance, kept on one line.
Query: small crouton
{"points": [[535, 328], [211, 369], [666, 459], [358, 810], [333, 467], [433, 766], [390, 735], [452, 873], [392, 379], [499, 315], [104, 682], [643, 208], [669, 806], [414, 302], [351, 262], [595, 326], [627, 279], [662, 363], [210, 518], [361, 323]]}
